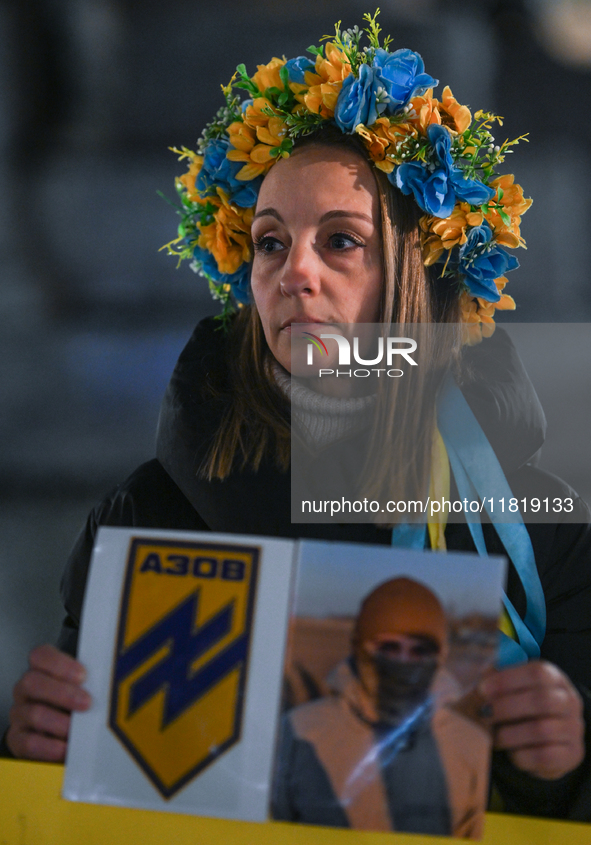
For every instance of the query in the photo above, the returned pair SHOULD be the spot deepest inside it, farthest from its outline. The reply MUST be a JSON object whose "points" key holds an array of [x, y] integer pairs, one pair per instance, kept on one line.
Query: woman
{"points": [[326, 172]]}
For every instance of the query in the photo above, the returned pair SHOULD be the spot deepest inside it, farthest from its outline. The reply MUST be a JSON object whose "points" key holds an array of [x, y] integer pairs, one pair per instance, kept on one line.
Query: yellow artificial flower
{"points": [[256, 157], [452, 229], [426, 111], [334, 67], [448, 112], [478, 314], [375, 144], [325, 83], [267, 76], [462, 118], [506, 302], [187, 180], [473, 327], [322, 99], [514, 204], [431, 249], [273, 133], [228, 236], [382, 139], [439, 234], [241, 136], [258, 112]]}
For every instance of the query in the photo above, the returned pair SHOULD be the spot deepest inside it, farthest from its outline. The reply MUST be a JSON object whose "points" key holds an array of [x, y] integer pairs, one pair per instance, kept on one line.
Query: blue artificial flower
{"points": [[401, 74], [433, 190], [481, 261], [296, 69], [440, 140], [469, 190], [219, 171], [238, 281], [433, 186], [356, 101], [437, 187], [472, 191], [208, 263]]}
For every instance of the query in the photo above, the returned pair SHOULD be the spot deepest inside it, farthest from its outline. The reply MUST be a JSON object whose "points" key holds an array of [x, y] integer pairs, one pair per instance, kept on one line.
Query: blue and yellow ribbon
{"points": [[459, 441]]}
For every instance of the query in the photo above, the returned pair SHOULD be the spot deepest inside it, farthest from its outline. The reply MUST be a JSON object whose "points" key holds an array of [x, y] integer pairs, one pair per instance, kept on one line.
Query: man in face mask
{"points": [[399, 641], [379, 754]]}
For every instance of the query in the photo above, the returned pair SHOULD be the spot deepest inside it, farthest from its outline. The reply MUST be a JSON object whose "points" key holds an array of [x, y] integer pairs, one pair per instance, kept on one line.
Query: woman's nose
{"points": [[301, 271]]}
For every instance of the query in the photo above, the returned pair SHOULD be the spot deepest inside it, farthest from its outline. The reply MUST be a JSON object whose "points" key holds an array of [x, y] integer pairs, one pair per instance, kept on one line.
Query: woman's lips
{"points": [[301, 323]]}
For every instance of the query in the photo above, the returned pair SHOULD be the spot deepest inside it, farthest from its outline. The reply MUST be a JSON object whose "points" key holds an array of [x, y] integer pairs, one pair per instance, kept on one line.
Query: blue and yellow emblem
{"points": [[181, 658]]}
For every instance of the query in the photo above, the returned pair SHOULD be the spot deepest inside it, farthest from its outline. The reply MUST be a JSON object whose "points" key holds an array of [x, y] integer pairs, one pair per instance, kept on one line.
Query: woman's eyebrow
{"points": [[268, 212], [343, 213], [272, 212]]}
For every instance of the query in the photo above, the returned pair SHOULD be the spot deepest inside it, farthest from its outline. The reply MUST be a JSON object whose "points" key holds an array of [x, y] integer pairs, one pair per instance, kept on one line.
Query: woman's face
{"points": [[317, 242]]}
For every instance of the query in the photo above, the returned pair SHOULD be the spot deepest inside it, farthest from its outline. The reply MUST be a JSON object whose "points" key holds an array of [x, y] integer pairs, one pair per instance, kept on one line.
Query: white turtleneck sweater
{"points": [[323, 419]]}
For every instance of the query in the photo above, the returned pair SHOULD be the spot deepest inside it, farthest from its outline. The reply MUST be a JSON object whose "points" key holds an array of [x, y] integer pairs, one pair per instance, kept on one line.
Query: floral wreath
{"points": [[432, 149]]}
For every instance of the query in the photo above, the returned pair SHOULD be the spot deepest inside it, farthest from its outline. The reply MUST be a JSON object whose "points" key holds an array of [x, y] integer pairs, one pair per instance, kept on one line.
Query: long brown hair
{"points": [[256, 424]]}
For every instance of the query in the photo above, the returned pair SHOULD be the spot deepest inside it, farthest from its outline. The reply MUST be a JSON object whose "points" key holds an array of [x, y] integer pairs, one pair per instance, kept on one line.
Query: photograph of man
{"points": [[378, 753]]}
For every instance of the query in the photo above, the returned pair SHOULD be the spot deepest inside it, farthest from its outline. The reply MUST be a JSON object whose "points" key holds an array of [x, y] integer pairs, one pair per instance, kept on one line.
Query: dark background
{"points": [[92, 316]]}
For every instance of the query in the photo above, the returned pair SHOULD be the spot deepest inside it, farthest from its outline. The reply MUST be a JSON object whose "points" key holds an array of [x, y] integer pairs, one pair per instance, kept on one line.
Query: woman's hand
{"points": [[537, 718], [43, 701]]}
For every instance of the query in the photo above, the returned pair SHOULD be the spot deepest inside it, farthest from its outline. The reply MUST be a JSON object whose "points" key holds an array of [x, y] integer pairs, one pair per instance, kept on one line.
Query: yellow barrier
{"points": [[33, 813]]}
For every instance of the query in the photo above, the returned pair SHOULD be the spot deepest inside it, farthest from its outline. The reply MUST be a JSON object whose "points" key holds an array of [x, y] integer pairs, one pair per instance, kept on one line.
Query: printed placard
{"points": [[252, 678], [185, 679], [381, 728]]}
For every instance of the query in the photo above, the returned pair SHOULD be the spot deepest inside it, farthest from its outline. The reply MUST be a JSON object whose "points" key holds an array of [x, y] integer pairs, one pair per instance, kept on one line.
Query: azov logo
{"points": [[181, 655]]}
